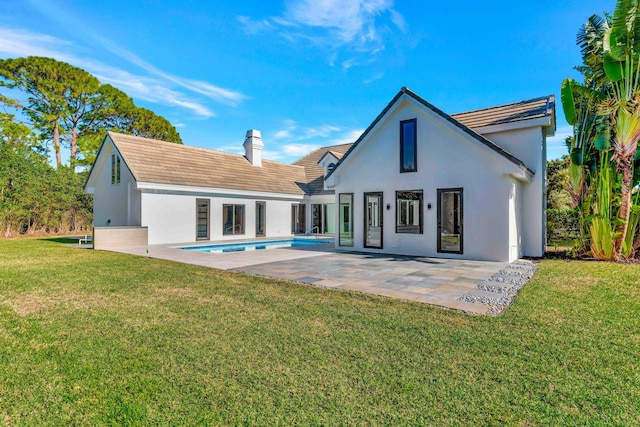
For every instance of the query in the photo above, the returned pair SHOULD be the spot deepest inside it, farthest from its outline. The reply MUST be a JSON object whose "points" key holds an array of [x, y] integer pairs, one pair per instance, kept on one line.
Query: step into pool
{"points": [[257, 245]]}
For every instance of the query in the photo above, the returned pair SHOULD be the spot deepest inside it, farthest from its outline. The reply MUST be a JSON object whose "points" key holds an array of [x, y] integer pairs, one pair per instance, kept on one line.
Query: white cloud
{"points": [[294, 141], [358, 25], [376, 76], [154, 86], [348, 137], [293, 132], [282, 134], [298, 150]]}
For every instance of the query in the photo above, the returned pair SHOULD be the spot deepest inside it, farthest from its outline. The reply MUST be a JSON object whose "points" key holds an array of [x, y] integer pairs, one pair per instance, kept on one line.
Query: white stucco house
{"points": [[417, 182]]}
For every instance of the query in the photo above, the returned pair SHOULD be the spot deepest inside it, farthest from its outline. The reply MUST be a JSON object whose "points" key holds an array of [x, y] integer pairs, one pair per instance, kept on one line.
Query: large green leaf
{"points": [[576, 156], [625, 29], [568, 102], [613, 68], [602, 140]]}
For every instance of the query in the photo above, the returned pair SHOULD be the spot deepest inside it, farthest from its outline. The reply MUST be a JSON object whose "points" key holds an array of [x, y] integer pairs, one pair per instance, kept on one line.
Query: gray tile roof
{"points": [[314, 172], [168, 163], [163, 162], [509, 113]]}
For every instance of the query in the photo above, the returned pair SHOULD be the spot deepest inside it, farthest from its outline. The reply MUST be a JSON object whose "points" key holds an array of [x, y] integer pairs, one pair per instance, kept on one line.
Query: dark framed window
{"points": [[202, 219], [261, 219], [233, 219], [298, 222], [115, 169], [409, 211], [346, 219], [408, 146]]}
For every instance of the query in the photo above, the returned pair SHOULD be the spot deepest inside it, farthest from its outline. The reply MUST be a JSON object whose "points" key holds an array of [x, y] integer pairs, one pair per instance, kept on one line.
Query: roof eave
{"points": [[181, 188], [545, 122]]}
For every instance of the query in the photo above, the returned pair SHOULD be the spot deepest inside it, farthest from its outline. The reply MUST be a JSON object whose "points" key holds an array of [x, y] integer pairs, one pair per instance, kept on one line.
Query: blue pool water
{"points": [[253, 246]]}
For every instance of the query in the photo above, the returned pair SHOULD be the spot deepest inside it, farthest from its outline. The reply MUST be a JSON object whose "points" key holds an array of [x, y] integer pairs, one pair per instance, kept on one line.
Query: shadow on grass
{"points": [[65, 240]]}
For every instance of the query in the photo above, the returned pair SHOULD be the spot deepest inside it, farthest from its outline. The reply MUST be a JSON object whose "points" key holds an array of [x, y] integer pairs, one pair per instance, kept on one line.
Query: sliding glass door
{"points": [[298, 219]]}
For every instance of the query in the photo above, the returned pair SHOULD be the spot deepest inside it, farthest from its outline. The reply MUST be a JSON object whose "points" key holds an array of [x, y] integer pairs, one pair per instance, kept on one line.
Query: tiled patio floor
{"points": [[433, 281], [442, 282]]}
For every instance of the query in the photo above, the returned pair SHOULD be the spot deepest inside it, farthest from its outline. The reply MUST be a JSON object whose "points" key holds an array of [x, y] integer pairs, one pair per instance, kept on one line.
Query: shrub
{"points": [[562, 224]]}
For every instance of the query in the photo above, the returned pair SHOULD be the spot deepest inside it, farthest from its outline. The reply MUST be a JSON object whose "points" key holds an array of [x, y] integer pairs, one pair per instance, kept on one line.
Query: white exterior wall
{"points": [[529, 145], [515, 221], [446, 159], [117, 204], [171, 218]]}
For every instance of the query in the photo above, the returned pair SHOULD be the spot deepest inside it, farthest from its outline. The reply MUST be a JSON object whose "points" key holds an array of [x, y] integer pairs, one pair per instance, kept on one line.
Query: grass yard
{"points": [[94, 338]]}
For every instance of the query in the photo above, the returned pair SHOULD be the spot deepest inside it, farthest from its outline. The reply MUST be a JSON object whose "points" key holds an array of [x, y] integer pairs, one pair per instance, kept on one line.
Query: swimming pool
{"points": [[257, 245]]}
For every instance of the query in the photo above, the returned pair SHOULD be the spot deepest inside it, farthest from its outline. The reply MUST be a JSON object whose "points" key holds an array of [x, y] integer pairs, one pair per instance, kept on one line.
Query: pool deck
{"points": [[476, 287]]}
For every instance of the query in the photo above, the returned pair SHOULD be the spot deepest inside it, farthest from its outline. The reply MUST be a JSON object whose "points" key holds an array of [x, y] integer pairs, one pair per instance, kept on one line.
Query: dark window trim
{"points": [[420, 212], [415, 146], [208, 203], [439, 224], [298, 207], [244, 218], [264, 205], [365, 224], [351, 218], [115, 169]]}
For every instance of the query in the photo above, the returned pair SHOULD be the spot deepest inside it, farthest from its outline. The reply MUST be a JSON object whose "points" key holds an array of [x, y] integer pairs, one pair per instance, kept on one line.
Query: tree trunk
{"points": [[56, 143], [636, 246], [74, 145], [625, 167]]}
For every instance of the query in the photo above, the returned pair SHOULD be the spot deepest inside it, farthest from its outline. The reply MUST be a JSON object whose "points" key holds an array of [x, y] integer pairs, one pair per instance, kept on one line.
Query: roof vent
{"points": [[253, 147]]}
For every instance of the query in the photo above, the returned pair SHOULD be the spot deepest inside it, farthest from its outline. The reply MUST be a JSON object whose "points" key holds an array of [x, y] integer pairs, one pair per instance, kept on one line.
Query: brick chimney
{"points": [[253, 147]]}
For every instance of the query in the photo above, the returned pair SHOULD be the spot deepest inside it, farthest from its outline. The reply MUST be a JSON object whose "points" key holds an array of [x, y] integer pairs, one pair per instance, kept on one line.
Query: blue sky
{"points": [[306, 73]]}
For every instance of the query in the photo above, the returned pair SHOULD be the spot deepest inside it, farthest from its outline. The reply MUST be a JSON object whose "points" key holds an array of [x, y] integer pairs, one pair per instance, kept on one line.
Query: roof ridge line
{"points": [[208, 150], [547, 97]]}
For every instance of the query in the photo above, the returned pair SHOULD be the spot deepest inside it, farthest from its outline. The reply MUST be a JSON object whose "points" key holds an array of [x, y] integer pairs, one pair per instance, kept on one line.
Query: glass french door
{"points": [[298, 219], [346, 220], [261, 219], [450, 230], [373, 220]]}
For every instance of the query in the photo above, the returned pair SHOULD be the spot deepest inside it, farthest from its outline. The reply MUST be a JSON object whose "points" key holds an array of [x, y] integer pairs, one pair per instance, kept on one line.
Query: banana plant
{"points": [[621, 63]]}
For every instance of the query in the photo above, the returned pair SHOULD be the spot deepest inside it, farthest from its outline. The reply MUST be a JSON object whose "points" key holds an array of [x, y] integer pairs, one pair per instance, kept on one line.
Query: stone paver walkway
{"points": [[477, 287]]}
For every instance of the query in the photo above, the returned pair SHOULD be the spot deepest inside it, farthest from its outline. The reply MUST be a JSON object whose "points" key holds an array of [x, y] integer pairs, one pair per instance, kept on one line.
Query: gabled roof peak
{"points": [[458, 123]]}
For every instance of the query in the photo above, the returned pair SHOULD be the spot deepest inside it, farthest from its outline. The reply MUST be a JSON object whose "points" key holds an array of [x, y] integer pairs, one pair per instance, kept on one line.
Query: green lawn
{"points": [[94, 338]]}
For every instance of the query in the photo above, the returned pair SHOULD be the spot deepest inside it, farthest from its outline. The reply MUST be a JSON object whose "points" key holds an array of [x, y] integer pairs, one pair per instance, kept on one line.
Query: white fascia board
{"points": [[90, 185], [522, 124], [151, 187], [520, 175], [328, 155]]}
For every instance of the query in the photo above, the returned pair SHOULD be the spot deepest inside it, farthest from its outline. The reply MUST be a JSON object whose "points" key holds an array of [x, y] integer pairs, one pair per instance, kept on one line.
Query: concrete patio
{"points": [[476, 287]]}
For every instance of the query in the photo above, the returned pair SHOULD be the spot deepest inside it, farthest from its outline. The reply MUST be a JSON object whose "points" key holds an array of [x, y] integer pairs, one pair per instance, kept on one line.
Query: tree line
{"points": [[51, 105]]}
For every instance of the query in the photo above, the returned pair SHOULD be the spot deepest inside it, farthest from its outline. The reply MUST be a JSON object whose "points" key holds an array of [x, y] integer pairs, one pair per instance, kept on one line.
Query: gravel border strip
{"points": [[506, 283]]}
